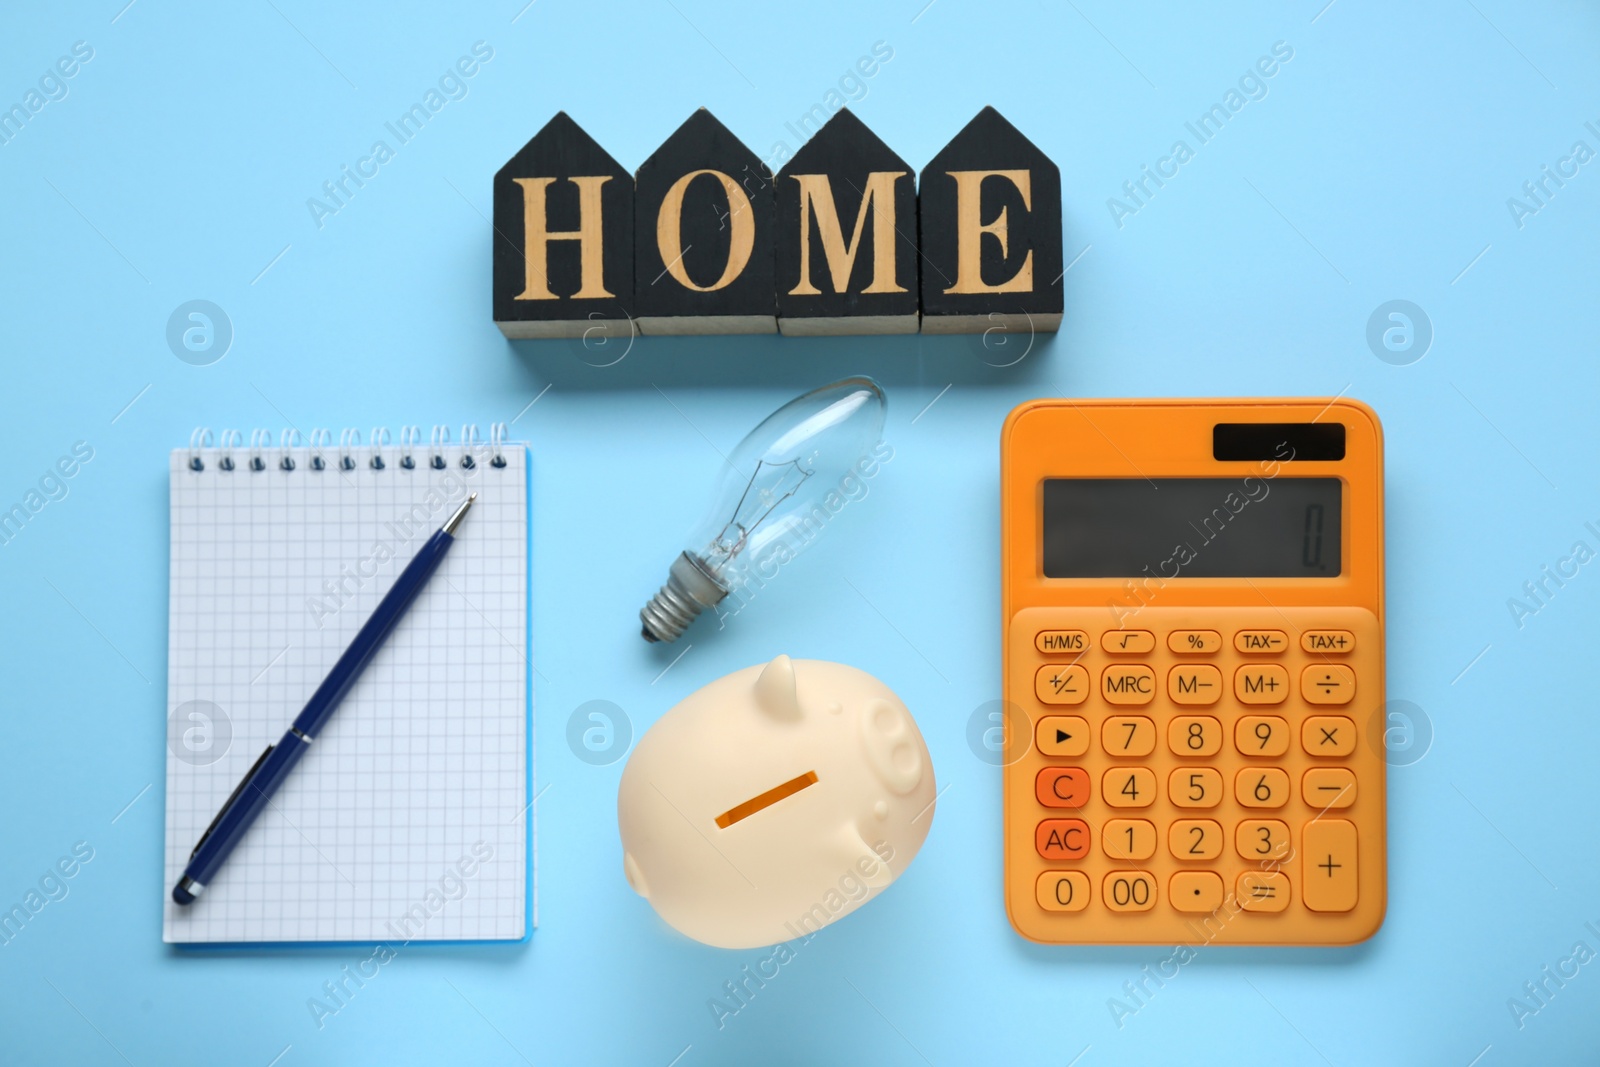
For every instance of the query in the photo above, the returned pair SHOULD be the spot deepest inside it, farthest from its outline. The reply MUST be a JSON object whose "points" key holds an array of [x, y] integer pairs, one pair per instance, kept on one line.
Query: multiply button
{"points": [[1058, 683], [1061, 839], [1127, 642], [1328, 735], [1062, 787], [1200, 684], [1062, 891], [1328, 642], [1133, 684], [1267, 683], [1260, 642], [1332, 683], [1062, 735], [1329, 873], [1061, 642]]}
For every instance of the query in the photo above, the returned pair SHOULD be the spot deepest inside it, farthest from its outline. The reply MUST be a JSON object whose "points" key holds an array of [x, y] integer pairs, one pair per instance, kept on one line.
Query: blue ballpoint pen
{"points": [[251, 796]]}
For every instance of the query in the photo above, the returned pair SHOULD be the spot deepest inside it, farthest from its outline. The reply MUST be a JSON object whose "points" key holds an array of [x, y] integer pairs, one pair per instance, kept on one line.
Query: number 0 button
{"points": [[1062, 891]]}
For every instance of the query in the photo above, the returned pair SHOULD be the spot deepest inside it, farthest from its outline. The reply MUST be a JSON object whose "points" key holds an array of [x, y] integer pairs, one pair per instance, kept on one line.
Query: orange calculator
{"points": [[1193, 670]]}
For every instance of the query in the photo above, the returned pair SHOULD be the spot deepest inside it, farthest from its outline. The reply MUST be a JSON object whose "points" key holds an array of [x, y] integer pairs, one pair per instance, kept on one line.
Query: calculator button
{"points": [[1199, 684], [1195, 787], [1194, 642], [1264, 683], [1129, 891], [1128, 839], [1195, 839], [1128, 735], [1262, 840], [1328, 735], [1261, 735], [1062, 735], [1262, 891], [1329, 874], [1127, 642], [1132, 684], [1059, 683], [1328, 642], [1061, 642], [1195, 891], [1062, 787], [1061, 839], [1328, 787], [1330, 683], [1261, 787], [1261, 642], [1129, 787], [1062, 891], [1194, 735]]}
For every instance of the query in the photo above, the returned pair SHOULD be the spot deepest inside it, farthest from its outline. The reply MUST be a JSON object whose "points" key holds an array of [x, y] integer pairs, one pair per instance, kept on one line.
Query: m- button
{"points": [[1133, 684]]}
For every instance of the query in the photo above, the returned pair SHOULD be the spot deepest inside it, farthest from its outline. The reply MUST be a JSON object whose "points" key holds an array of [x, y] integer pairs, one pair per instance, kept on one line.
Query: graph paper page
{"points": [[409, 817]]}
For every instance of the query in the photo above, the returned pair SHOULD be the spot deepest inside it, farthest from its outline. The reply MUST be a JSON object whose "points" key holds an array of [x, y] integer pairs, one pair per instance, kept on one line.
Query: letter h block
{"points": [[563, 238]]}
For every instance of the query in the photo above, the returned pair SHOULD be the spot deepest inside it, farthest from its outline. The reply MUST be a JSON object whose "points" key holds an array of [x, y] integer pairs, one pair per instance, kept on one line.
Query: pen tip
{"points": [[455, 520]]}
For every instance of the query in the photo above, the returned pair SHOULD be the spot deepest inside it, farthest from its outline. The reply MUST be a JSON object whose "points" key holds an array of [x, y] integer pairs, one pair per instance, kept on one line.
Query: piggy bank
{"points": [[773, 801]]}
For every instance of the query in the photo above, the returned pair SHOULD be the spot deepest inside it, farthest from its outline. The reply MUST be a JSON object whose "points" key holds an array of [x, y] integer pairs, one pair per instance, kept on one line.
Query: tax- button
{"points": [[1333, 683], [1328, 642], [1127, 642], [1133, 684], [1265, 683], [1328, 735], [1260, 642], [1062, 735], [1061, 839], [1061, 642], [1062, 787], [1200, 684], [1329, 874], [1059, 683]]}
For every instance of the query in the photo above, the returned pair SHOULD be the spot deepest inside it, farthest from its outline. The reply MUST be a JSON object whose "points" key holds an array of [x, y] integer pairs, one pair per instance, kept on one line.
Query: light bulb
{"points": [[769, 503]]}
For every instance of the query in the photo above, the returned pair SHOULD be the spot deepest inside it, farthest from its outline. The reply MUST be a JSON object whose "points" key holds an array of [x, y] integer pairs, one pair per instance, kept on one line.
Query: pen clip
{"points": [[233, 796]]}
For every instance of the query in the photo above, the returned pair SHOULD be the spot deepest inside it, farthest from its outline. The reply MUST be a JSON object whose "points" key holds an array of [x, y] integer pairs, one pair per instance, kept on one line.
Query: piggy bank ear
{"points": [[775, 690]]}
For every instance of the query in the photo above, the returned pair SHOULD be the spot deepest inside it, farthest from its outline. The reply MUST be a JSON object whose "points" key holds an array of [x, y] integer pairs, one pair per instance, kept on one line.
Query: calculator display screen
{"points": [[1250, 527]]}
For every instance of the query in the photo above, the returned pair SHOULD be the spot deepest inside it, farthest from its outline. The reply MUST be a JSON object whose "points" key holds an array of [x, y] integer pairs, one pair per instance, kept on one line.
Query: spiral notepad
{"points": [[411, 817]]}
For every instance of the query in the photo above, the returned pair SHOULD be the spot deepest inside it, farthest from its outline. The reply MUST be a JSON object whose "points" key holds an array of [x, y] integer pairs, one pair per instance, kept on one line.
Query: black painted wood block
{"points": [[989, 217], [703, 233], [846, 243], [563, 240]]}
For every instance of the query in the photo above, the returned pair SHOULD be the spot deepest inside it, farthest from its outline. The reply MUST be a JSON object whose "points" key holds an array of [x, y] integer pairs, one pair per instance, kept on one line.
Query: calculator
{"points": [[1193, 663]]}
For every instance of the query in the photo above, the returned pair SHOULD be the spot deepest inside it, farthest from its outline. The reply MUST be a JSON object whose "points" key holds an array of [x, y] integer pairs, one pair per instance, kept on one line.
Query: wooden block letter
{"points": [[990, 228], [703, 231], [846, 241], [563, 240]]}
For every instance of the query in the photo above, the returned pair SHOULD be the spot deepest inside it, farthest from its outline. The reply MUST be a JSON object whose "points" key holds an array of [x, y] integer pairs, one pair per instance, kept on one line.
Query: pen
{"points": [[251, 796]]}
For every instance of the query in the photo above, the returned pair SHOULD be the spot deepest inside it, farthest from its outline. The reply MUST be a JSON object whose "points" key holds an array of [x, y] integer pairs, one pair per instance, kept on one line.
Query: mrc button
{"points": [[1132, 684]]}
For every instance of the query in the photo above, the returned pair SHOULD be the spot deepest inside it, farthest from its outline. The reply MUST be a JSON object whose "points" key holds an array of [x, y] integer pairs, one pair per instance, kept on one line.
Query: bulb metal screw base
{"points": [[690, 589]]}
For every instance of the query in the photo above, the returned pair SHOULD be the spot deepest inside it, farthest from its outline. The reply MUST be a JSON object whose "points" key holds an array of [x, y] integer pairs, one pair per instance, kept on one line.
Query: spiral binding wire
{"points": [[292, 449]]}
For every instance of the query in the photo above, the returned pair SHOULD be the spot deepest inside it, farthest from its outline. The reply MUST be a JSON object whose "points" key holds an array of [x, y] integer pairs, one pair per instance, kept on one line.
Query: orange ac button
{"points": [[1061, 839]]}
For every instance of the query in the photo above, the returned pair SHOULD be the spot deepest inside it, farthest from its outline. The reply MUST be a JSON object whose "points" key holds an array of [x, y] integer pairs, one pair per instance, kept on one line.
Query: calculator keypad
{"points": [[1221, 770]]}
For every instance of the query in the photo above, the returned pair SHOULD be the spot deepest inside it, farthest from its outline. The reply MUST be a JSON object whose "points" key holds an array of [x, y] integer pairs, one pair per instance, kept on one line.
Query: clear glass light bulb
{"points": [[770, 500]]}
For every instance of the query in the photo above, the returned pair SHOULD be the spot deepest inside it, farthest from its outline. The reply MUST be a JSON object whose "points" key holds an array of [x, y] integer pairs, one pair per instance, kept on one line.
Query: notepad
{"points": [[411, 817]]}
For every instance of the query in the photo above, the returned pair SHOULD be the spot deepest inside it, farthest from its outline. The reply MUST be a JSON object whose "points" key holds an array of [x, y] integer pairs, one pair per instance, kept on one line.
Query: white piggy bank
{"points": [[774, 800]]}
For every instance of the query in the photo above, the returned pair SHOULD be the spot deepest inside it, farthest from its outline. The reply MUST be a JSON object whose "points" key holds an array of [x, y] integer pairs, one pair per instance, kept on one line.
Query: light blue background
{"points": [[1377, 167]]}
